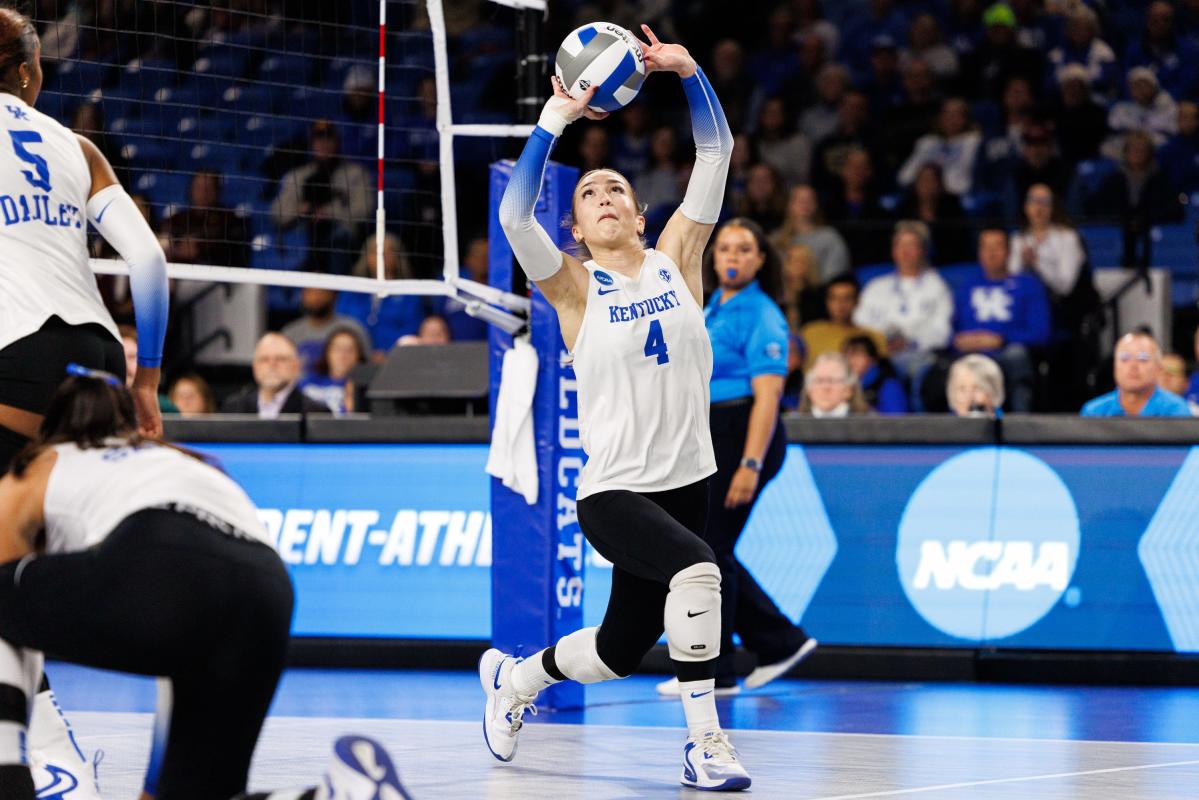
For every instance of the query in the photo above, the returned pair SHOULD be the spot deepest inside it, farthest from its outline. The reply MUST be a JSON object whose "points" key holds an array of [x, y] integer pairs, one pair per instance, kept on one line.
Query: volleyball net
{"points": [[284, 143]]}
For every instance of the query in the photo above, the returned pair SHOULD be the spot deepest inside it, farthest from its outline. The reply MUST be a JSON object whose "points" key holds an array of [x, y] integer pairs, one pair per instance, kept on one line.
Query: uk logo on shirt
{"points": [[991, 304]]}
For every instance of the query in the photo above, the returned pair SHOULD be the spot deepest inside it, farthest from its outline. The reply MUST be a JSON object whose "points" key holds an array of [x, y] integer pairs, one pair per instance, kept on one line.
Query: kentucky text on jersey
{"points": [[38, 208], [643, 308]]}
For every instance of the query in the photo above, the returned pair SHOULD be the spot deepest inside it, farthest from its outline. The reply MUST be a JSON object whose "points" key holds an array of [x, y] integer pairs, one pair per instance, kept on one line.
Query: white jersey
{"points": [[45, 184], [643, 362], [90, 491]]}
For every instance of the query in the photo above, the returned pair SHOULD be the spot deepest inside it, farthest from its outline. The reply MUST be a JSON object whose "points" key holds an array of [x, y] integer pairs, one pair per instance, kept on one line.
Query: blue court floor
{"points": [[799, 739]]}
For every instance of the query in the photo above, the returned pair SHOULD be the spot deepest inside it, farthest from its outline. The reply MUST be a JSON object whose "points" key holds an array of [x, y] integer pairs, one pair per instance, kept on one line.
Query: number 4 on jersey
{"points": [[655, 344]]}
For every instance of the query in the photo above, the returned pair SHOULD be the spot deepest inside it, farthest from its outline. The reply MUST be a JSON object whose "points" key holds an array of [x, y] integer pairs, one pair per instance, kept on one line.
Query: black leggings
{"points": [[648, 537], [745, 607], [32, 369], [167, 595]]}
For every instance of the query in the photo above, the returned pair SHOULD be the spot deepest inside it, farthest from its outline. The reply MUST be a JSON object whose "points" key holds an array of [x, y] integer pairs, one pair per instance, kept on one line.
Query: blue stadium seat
{"points": [[142, 78], [1105, 244], [265, 131], [217, 156], [216, 128], [311, 102], [1174, 248], [286, 68], [1088, 177], [957, 274], [285, 250], [163, 188], [223, 61], [358, 141], [117, 103], [245, 193], [246, 99], [78, 78], [868, 272]]}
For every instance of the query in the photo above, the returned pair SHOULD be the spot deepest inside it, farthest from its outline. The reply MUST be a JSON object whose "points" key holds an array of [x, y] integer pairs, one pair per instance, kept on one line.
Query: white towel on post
{"points": [[513, 454]]}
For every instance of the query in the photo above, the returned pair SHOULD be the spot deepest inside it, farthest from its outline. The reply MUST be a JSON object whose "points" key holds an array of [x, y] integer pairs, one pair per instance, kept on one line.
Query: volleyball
{"points": [[605, 54]]}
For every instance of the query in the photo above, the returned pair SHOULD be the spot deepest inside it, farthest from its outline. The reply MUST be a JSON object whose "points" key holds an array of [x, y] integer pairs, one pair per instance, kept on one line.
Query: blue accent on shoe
{"points": [[688, 770], [344, 749], [62, 782], [729, 785], [489, 747], [498, 667]]}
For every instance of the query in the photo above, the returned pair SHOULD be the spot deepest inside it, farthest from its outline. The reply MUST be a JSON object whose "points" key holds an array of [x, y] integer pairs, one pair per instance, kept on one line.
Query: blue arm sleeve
{"points": [[122, 225], [713, 150], [535, 251]]}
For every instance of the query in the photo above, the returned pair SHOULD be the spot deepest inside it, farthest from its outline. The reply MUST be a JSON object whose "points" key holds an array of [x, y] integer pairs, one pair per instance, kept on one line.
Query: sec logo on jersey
{"points": [[664, 274]]}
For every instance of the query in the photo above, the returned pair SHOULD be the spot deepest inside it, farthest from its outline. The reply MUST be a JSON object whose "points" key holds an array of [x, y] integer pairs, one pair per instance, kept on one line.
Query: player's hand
{"points": [[570, 108], [741, 488], [145, 401], [661, 57]]}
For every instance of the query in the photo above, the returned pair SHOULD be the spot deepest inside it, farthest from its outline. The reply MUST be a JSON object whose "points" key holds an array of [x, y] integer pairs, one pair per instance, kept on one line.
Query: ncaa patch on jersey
{"points": [[664, 274], [603, 278], [774, 351]]}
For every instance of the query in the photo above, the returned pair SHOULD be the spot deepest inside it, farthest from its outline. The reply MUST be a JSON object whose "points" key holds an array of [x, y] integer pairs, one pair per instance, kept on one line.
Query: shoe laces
{"points": [[516, 711], [716, 746]]}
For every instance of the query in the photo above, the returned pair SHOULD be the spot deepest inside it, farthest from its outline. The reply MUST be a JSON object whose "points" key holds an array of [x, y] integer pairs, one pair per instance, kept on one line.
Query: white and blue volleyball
{"points": [[601, 54]]}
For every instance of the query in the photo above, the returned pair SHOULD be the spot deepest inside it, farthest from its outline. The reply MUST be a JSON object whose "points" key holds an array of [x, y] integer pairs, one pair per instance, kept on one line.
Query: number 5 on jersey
{"points": [[655, 343], [19, 141]]}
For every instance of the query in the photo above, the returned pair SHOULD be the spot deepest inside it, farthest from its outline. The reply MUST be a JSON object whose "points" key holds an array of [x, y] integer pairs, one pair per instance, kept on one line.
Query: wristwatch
{"points": [[752, 463]]}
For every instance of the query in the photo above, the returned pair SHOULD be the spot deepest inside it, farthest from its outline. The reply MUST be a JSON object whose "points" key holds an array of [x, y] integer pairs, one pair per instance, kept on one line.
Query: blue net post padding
{"points": [[538, 550]]}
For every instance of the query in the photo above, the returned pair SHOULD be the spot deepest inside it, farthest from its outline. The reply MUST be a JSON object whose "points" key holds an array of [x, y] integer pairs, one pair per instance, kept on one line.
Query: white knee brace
{"points": [[692, 617], [576, 656]]}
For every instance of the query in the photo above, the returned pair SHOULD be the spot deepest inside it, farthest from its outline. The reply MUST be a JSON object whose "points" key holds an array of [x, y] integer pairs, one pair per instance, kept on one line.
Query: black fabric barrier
{"points": [[1019, 429]]}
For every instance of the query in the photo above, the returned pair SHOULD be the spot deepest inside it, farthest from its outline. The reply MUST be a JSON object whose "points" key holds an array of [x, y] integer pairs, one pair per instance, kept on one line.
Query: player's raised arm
{"points": [[687, 232], [535, 251], [113, 213]]}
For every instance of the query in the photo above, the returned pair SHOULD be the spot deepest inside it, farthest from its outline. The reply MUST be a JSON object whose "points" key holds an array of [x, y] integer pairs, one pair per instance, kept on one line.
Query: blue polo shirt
{"points": [[1161, 404], [749, 338]]}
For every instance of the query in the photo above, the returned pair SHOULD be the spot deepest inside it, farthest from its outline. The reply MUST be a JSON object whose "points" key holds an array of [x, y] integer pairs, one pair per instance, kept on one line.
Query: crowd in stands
{"points": [[916, 162]]}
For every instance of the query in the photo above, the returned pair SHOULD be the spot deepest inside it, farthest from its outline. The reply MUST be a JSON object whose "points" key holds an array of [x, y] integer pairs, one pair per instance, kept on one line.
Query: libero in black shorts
{"points": [[32, 368]]}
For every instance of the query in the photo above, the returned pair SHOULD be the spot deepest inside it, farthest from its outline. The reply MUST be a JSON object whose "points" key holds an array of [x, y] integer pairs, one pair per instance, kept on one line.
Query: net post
{"points": [[445, 131], [531, 66], [380, 210], [538, 550]]}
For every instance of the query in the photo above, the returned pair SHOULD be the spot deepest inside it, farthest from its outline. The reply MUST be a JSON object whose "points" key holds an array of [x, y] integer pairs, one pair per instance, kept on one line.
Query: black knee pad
{"points": [[623, 660], [16, 782], [11, 443]]}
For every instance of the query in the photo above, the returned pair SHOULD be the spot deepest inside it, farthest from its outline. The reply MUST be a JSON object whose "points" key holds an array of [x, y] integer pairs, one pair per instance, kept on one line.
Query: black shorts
{"points": [[32, 368], [168, 594]]}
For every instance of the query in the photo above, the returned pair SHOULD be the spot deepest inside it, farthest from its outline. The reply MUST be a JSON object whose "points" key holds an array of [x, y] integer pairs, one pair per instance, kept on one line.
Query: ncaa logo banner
{"points": [[988, 543]]}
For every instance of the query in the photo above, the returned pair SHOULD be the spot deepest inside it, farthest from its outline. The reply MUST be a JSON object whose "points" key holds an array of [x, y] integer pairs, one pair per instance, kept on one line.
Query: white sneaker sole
{"points": [[488, 664], [764, 675]]}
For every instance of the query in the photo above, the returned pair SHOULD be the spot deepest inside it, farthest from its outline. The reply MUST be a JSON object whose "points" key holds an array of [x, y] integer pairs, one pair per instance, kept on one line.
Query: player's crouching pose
{"points": [[633, 319], [124, 553]]}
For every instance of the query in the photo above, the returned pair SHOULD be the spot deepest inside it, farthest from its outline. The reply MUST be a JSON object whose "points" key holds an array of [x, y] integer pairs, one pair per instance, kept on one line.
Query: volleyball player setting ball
{"points": [[632, 318], [52, 184]]}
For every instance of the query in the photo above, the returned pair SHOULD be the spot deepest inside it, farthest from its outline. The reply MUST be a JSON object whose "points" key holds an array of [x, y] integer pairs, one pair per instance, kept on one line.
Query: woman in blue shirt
{"points": [[749, 352]]}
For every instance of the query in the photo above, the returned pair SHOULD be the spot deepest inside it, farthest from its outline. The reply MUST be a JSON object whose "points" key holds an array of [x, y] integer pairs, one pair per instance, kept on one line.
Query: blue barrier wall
{"points": [[1061, 547]]}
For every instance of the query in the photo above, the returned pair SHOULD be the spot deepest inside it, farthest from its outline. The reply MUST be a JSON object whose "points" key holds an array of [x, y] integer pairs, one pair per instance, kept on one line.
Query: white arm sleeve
{"points": [[114, 215], [713, 151], [535, 251]]}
